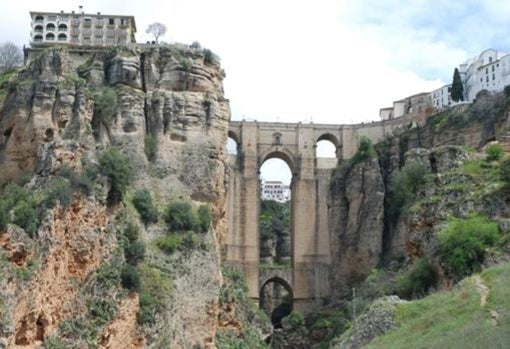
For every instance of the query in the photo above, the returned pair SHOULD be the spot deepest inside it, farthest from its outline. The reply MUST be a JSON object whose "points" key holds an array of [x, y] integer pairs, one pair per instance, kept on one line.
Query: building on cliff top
{"points": [[81, 29]]}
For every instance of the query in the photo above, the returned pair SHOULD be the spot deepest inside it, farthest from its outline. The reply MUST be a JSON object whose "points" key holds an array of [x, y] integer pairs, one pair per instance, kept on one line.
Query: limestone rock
{"points": [[356, 221]]}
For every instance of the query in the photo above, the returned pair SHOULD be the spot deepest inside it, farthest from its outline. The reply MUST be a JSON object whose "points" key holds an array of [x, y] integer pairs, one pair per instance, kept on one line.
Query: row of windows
{"points": [[75, 39], [86, 20]]}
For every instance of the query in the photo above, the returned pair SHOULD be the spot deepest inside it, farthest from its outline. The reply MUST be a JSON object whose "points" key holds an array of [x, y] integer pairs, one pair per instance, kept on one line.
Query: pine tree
{"points": [[457, 91]]}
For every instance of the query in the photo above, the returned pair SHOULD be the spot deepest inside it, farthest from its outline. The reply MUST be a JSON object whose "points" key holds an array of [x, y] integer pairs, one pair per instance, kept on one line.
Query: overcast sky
{"points": [[301, 60]]}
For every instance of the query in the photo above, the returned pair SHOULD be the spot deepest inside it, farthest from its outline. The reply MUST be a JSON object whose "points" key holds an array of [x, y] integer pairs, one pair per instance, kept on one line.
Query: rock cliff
{"points": [[164, 108]]}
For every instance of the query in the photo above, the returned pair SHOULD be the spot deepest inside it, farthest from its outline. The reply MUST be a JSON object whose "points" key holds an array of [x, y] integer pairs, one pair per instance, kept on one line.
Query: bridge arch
{"points": [[277, 306], [279, 153], [328, 137]]}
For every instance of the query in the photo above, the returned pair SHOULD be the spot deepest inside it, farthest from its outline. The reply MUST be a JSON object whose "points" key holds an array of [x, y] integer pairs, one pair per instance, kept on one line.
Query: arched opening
{"points": [[62, 37], [275, 299], [326, 151], [38, 38], [275, 219], [50, 27], [38, 29], [39, 19], [231, 146], [62, 28], [50, 37]]}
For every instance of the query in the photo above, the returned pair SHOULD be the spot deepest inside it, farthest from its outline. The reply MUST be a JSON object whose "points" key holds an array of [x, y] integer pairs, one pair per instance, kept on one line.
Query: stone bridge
{"points": [[308, 276]]}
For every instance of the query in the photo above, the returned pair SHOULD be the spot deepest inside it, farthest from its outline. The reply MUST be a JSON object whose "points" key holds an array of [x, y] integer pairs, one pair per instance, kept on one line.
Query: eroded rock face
{"points": [[356, 221], [54, 118]]}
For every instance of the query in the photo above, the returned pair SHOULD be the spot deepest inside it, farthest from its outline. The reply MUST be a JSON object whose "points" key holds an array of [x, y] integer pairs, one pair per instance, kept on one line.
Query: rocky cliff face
{"points": [[356, 213], [164, 108]]}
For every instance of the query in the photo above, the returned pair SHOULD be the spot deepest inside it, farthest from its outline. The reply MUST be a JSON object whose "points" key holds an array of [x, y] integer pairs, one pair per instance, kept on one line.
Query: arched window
{"points": [[38, 29], [50, 37], [62, 37], [50, 27], [38, 38], [62, 28], [39, 19]]}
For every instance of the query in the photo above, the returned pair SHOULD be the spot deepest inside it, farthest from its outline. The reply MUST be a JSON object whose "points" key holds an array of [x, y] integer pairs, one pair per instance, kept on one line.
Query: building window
{"points": [[38, 38], [38, 29], [99, 40], [64, 18], [490, 59], [75, 39], [50, 37], [87, 22], [39, 19], [111, 21], [98, 32], [50, 27], [123, 21], [487, 79], [52, 18], [493, 77], [99, 22], [487, 70], [62, 37], [86, 40], [62, 28], [492, 68]]}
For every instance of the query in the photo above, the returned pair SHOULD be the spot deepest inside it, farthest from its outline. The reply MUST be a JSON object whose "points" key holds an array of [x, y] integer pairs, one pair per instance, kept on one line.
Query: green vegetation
{"points": [[129, 278], [418, 281], [204, 218], [181, 241], [494, 152], [505, 171], [179, 216], [150, 147], [463, 242], [296, 319], [405, 185], [142, 200], [117, 168], [156, 290], [209, 56], [365, 150], [60, 192], [455, 319], [20, 206], [457, 91], [105, 103]]}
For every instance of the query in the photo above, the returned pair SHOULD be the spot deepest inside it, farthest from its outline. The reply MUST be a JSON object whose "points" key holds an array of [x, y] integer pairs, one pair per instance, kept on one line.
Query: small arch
{"points": [[232, 143], [62, 37], [234, 136], [50, 37], [328, 137], [277, 306], [62, 28], [38, 38], [39, 19], [38, 29], [50, 27]]}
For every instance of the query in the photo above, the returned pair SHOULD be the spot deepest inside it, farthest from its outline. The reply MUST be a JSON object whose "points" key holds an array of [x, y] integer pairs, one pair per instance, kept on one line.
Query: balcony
{"points": [[99, 23], [75, 22]]}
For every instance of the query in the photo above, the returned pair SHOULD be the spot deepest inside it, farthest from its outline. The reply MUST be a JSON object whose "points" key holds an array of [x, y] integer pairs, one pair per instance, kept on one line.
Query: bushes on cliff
{"points": [[179, 216], [405, 185], [494, 152], [505, 170], [155, 293], [150, 147], [463, 242], [142, 200], [20, 206], [365, 151], [420, 279], [118, 169], [105, 103]]}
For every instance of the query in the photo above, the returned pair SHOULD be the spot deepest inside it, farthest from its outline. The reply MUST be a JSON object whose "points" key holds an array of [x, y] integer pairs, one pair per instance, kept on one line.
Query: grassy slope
{"points": [[455, 319]]}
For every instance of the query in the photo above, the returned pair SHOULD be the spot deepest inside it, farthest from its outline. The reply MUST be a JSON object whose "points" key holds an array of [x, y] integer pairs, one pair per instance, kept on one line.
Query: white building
{"points": [[81, 29], [489, 71], [274, 190], [442, 98]]}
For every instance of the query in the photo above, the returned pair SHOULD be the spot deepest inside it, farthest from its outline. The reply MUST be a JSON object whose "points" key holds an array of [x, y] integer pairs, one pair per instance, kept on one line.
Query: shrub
{"points": [[150, 147], [405, 184], [131, 232], [365, 151], [26, 216], [170, 243], [505, 170], [142, 200], [117, 168], [134, 252], [105, 103], [296, 319], [102, 310], [129, 278], [179, 216], [204, 218], [494, 152], [418, 280], [108, 275], [155, 293], [60, 191], [463, 242]]}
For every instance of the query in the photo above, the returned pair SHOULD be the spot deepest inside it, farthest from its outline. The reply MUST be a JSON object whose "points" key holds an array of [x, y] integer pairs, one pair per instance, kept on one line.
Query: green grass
{"points": [[455, 319]]}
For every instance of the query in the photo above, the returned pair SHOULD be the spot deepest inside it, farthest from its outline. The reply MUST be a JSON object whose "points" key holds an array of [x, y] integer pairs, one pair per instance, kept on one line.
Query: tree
{"points": [[157, 29], [10, 56], [457, 91]]}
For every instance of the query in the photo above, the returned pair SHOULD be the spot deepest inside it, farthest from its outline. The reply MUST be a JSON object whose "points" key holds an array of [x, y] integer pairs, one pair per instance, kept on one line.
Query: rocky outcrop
{"points": [[356, 221], [56, 117], [377, 320]]}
